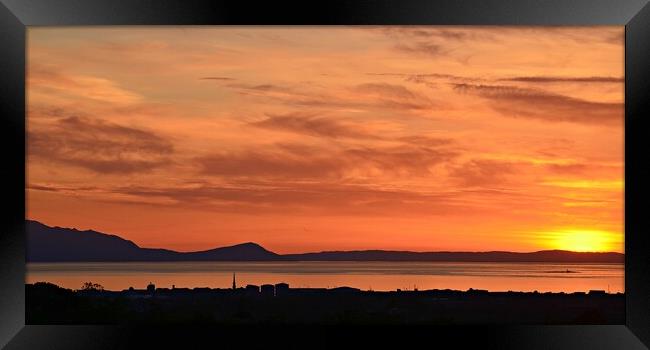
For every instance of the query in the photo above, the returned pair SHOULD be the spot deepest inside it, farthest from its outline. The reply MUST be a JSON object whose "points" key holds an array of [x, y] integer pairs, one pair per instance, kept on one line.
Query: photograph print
{"points": [[325, 175]]}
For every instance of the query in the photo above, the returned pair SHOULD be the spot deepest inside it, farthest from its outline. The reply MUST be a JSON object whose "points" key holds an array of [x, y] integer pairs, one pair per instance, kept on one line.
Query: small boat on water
{"points": [[563, 271]]}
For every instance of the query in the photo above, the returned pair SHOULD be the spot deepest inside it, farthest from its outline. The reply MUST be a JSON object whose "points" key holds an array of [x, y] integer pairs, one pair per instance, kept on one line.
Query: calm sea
{"points": [[543, 277]]}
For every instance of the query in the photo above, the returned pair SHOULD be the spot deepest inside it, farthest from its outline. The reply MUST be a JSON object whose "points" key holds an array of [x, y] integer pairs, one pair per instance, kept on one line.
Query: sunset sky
{"points": [[339, 138]]}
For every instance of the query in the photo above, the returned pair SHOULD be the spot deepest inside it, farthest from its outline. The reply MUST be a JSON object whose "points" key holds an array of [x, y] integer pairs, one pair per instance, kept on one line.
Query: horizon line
{"points": [[331, 251]]}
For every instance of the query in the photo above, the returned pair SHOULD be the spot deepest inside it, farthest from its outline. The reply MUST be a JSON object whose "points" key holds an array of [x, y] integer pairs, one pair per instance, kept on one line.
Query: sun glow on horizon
{"points": [[580, 240]]}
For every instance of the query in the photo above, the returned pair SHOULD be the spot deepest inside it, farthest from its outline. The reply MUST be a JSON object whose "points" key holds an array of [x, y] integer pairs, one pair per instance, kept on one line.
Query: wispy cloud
{"points": [[395, 96], [322, 198], [427, 141], [99, 146], [538, 104], [482, 172], [436, 33], [310, 124], [44, 78], [323, 163], [217, 78], [360, 96], [551, 79], [421, 48]]}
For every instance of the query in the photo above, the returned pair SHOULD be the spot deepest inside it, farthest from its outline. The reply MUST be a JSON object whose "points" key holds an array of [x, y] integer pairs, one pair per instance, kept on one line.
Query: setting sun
{"points": [[585, 240]]}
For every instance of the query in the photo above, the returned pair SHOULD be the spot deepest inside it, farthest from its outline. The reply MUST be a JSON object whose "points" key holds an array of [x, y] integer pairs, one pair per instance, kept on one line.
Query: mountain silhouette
{"points": [[46, 243], [245, 251], [56, 244]]}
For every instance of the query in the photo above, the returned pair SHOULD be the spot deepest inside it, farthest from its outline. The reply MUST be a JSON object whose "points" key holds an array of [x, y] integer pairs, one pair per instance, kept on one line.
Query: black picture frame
{"points": [[16, 15]]}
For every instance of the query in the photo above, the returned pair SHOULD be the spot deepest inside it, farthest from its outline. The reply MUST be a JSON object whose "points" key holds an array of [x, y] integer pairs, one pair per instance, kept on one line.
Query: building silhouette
{"points": [[267, 290], [252, 289], [234, 285], [281, 289]]}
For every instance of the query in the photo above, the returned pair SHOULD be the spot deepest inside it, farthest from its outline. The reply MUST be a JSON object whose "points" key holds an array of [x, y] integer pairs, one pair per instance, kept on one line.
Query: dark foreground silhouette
{"points": [[47, 303]]}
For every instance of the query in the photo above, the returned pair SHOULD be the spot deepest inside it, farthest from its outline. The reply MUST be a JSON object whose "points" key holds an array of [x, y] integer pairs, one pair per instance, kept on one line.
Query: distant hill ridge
{"points": [[57, 244]]}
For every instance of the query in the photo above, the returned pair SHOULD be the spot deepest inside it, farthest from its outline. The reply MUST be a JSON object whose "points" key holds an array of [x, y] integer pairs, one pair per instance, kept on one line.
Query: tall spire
{"points": [[234, 285]]}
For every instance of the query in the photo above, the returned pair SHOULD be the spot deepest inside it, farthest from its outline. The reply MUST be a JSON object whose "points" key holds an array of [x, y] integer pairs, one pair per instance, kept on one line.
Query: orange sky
{"points": [[313, 138]]}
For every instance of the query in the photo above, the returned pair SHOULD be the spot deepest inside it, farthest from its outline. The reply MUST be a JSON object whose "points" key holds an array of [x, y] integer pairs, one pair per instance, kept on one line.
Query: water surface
{"points": [[543, 277]]}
